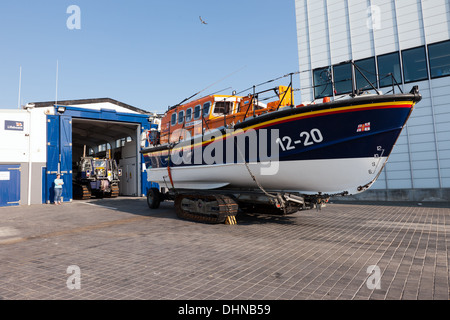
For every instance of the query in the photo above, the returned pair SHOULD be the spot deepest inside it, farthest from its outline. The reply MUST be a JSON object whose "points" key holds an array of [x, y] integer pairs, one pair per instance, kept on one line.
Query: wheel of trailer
{"points": [[153, 198]]}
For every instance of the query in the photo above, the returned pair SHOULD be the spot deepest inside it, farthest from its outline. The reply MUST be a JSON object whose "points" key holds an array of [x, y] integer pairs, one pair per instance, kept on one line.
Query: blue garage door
{"points": [[59, 155], [66, 156], [9, 185]]}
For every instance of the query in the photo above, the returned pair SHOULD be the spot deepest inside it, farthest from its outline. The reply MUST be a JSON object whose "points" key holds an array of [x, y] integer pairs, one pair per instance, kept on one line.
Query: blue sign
{"points": [[14, 125]]}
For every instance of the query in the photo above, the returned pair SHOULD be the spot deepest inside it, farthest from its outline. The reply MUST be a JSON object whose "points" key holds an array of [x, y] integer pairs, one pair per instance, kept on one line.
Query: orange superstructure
{"points": [[215, 111]]}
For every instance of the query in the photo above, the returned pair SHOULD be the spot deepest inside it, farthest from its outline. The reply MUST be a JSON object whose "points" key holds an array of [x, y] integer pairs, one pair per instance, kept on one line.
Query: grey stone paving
{"points": [[125, 251]]}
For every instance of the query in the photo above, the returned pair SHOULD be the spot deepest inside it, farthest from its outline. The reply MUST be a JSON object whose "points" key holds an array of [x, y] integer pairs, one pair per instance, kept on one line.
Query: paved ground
{"points": [[122, 250]]}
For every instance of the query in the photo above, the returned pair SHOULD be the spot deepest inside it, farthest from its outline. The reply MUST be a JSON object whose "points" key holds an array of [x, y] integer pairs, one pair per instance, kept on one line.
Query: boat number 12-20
{"points": [[307, 139]]}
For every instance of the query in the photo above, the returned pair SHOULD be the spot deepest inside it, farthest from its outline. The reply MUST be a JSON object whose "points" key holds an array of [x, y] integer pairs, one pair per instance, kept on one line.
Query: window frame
{"points": [[368, 87], [429, 59], [325, 84], [209, 109], [350, 81], [228, 106], [404, 64], [199, 112], [191, 116], [181, 118], [399, 81], [172, 119]]}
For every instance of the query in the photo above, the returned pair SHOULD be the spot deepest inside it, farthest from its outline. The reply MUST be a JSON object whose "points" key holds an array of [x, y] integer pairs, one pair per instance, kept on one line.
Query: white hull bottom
{"points": [[306, 177]]}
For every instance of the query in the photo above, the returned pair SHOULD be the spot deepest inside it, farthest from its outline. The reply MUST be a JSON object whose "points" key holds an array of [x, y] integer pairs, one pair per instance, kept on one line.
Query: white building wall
{"points": [[334, 31], [17, 146], [27, 148], [386, 38], [340, 41]]}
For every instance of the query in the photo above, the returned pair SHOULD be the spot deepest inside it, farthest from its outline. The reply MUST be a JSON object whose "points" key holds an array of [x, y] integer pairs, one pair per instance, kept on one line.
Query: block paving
{"points": [[125, 251]]}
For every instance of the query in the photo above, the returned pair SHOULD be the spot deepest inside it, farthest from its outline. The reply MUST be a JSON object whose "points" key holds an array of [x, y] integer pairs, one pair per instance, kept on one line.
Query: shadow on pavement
{"points": [[138, 206]]}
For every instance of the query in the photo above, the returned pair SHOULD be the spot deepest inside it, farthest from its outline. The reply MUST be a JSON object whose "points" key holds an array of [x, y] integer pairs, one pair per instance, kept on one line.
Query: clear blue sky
{"points": [[149, 54]]}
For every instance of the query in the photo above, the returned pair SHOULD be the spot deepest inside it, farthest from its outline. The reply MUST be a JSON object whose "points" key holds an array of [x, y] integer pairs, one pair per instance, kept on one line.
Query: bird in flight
{"points": [[201, 20]]}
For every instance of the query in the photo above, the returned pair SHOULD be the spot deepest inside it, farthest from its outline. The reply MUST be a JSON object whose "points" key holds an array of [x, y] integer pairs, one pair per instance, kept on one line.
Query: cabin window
{"points": [[343, 78], [439, 59], [181, 117], [414, 65], [189, 115], [223, 107], [206, 109], [259, 106], [389, 63], [197, 112], [323, 87], [367, 67], [174, 119]]}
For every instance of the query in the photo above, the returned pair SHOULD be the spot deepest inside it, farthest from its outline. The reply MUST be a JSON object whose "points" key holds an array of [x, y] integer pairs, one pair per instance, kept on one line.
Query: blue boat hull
{"points": [[341, 148]]}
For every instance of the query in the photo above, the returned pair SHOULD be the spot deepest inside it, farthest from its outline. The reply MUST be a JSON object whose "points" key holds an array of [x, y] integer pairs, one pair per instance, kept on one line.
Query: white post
{"points": [[30, 162]]}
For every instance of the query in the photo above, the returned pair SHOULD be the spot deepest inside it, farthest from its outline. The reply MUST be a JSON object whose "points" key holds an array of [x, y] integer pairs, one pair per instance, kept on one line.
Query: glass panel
{"points": [[99, 164], [174, 119], [343, 78], [223, 107], [439, 59], [367, 67], [389, 63], [414, 65], [189, 115], [206, 108], [197, 112], [180, 117], [322, 83]]}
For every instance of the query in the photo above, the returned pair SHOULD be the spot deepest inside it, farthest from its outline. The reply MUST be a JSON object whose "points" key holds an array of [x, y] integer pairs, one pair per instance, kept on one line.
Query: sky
{"points": [[148, 54]]}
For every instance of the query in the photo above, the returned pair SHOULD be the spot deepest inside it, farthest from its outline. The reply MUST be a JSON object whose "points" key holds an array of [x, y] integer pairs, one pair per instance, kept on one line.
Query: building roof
{"points": [[90, 101]]}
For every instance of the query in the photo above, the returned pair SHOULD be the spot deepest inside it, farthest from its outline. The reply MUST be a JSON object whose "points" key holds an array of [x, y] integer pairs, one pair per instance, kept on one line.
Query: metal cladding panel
{"points": [[59, 156], [66, 156], [52, 143], [9, 185], [53, 123]]}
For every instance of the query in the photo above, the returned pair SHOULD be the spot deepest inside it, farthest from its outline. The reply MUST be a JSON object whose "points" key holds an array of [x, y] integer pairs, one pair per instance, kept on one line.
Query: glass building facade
{"points": [[402, 41]]}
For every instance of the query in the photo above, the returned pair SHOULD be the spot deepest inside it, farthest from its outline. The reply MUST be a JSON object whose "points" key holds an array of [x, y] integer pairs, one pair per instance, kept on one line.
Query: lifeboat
{"points": [[291, 155]]}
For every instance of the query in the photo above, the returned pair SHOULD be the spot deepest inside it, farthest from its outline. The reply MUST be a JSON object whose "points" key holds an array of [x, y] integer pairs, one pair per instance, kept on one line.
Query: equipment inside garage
{"points": [[102, 153]]}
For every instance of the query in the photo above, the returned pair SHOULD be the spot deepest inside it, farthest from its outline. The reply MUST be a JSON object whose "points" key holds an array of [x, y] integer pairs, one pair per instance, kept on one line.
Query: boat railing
{"points": [[255, 97], [355, 89]]}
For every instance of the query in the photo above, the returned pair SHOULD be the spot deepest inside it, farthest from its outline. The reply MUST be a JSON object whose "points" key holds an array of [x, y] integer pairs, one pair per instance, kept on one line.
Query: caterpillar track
{"points": [[212, 209], [82, 192], [86, 193], [114, 192]]}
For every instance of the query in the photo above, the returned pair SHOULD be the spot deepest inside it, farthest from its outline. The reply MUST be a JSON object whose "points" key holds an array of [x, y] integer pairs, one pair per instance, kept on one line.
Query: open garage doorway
{"points": [[105, 158]]}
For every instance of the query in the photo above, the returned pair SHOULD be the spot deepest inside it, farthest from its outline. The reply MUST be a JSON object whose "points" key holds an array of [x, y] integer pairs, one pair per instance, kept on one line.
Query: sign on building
{"points": [[13, 125]]}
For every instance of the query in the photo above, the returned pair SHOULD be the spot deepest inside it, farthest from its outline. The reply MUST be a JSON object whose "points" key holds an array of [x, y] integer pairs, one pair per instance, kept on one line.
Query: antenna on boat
{"points": [[211, 85]]}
